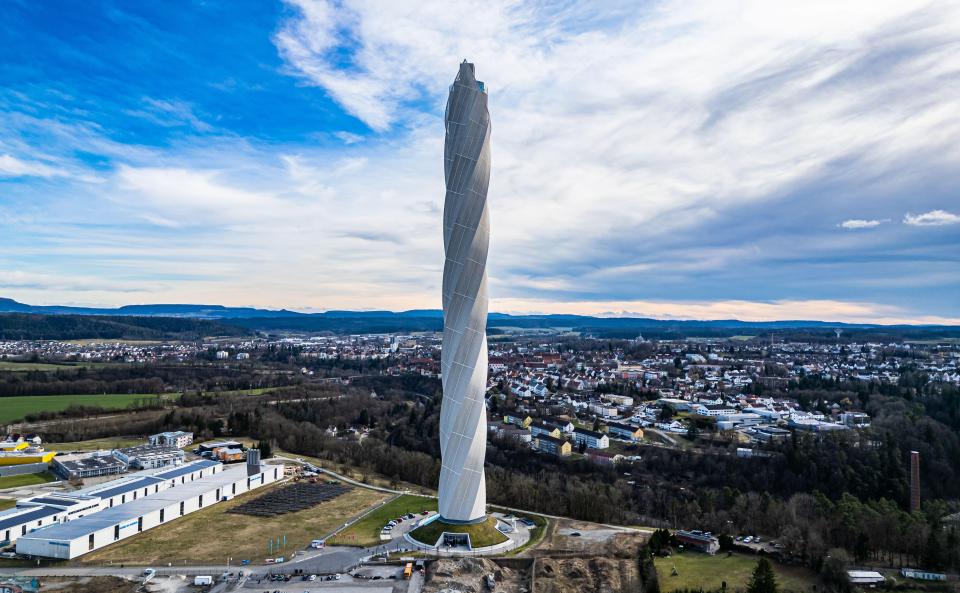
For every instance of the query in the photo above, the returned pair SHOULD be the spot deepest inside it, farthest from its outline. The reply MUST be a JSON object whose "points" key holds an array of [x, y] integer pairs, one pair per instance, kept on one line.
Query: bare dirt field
{"points": [[86, 585], [565, 536], [586, 575], [466, 576]]}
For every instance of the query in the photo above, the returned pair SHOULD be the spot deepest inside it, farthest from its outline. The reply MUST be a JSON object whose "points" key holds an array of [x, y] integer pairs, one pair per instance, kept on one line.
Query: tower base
{"points": [[473, 536]]}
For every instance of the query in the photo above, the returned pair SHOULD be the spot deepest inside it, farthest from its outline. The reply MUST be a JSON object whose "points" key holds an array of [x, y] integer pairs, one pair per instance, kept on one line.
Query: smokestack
{"points": [[914, 481]]}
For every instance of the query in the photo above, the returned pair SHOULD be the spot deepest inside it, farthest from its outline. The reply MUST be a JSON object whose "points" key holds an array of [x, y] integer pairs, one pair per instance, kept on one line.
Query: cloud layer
{"points": [[669, 155]]}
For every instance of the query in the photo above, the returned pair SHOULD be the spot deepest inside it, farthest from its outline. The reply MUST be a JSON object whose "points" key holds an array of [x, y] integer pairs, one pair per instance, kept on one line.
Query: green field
{"points": [[26, 480], [16, 408], [481, 534], [6, 365], [698, 571], [366, 532], [94, 444], [6, 503]]}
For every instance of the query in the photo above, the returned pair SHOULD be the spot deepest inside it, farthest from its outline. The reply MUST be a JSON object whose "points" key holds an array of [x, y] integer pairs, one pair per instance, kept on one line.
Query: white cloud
{"points": [[932, 218], [170, 113], [859, 223], [11, 166], [636, 146], [348, 137], [651, 120]]}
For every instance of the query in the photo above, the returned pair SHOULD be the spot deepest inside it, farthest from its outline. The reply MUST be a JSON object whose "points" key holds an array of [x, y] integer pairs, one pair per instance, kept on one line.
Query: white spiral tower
{"points": [[466, 237]]}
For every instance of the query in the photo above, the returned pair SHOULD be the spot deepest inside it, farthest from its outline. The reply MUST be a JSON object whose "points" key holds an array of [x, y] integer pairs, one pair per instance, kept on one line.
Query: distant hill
{"points": [[265, 320], [191, 311], [33, 326]]}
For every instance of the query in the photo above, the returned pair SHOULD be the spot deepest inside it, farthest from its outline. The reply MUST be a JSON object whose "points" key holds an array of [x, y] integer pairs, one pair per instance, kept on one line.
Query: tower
{"points": [[914, 481], [463, 362]]}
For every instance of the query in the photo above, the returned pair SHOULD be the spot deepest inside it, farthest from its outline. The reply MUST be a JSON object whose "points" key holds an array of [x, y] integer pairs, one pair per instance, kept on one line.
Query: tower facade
{"points": [[466, 237]]}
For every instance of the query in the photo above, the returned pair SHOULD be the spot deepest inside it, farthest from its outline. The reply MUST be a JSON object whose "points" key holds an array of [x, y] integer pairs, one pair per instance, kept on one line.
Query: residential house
{"points": [[595, 440]]}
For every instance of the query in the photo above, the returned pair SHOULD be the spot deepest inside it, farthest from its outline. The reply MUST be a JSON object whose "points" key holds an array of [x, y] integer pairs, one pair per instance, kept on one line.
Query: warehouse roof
{"points": [[180, 470], [123, 513], [58, 501], [129, 486], [145, 478], [10, 519]]}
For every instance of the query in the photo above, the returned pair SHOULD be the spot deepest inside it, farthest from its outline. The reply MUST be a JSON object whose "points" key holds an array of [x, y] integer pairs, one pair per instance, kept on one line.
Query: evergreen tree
{"points": [[763, 579], [266, 450]]}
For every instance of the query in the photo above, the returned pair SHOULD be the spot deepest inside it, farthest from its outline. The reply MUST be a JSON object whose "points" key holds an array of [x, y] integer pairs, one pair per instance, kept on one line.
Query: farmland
{"points": [[16, 408]]}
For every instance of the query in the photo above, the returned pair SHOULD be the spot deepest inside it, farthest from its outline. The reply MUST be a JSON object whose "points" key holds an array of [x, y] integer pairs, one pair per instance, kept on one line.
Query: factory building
{"points": [[51, 509], [140, 484], [101, 529], [150, 456], [178, 439], [41, 511], [88, 465]]}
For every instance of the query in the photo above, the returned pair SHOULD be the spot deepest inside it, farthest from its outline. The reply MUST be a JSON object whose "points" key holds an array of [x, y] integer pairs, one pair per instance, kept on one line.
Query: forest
{"points": [[30, 326]]}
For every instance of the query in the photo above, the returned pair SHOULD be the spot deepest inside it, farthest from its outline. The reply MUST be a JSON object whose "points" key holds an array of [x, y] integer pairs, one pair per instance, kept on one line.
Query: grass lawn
{"points": [[537, 532], [94, 444], [366, 532], [211, 535], [481, 534], [26, 480], [702, 571], [6, 503], [16, 408]]}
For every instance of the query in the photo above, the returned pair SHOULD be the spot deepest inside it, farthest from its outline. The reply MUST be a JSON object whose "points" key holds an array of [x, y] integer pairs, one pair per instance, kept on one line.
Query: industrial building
{"points": [[698, 540], [26, 456], [101, 529], [140, 484], [50, 509], [177, 438], [150, 456], [88, 465]]}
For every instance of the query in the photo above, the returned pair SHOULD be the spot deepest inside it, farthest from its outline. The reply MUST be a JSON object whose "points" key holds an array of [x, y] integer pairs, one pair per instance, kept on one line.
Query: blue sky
{"points": [[693, 160]]}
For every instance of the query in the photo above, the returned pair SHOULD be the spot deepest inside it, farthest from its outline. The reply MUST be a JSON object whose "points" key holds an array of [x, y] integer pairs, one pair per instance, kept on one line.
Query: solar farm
{"points": [[290, 499]]}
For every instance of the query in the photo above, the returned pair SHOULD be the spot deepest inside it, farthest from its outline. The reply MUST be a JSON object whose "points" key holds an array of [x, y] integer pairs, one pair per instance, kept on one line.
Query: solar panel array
{"points": [[290, 499]]}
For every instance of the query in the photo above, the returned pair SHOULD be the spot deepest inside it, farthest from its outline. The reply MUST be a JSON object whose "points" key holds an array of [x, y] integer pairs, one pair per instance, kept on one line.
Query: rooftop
{"points": [[137, 508]]}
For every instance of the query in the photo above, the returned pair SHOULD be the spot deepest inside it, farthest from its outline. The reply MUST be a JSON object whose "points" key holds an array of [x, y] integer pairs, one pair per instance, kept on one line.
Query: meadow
{"points": [[696, 571], [16, 408]]}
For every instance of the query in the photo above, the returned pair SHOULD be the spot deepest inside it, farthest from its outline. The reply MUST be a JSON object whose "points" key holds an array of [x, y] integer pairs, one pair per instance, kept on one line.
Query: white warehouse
{"points": [[101, 529], [46, 510]]}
